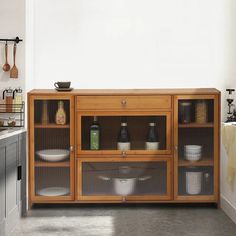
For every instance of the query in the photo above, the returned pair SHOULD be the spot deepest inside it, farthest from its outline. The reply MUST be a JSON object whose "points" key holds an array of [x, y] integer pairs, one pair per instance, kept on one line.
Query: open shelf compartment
{"points": [[138, 127]]}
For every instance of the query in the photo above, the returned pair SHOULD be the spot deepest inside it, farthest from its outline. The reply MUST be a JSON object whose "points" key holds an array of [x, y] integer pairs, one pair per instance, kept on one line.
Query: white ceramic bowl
{"points": [[193, 157], [53, 155], [193, 148], [193, 152], [53, 191]]}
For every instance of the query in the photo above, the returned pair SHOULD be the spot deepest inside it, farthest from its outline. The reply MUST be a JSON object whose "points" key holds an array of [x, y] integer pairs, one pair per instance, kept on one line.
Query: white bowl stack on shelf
{"points": [[193, 152]]}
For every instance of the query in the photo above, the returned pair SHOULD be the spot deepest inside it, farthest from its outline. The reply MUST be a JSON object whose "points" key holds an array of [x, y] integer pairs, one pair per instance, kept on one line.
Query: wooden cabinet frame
{"points": [[131, 107], [216, 152], [33, 198]]}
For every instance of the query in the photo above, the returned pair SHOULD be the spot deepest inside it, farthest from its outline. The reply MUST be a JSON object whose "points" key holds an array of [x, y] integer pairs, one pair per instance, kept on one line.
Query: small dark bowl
{"points": [[65, 84]]}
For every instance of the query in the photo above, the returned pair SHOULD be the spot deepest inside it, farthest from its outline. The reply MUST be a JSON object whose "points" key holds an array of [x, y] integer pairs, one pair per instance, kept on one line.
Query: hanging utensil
{"points": [[6, 67], [14, 70]]}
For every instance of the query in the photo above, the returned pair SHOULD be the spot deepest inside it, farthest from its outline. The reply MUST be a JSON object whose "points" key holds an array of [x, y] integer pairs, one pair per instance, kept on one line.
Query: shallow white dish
{"points": [[53, 191], [53, 155]]}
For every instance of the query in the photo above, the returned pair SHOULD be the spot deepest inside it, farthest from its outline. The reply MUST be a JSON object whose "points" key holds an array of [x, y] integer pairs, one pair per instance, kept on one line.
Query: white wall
{"points": [[133, 43], [12, 24]]}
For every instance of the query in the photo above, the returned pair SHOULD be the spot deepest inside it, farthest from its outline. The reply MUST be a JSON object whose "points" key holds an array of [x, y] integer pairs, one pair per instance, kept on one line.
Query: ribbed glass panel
{"points": [[124, 178]]}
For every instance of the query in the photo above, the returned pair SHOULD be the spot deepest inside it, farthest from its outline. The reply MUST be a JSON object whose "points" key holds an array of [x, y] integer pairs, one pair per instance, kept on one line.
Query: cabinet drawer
{"points": [[123, 102]]}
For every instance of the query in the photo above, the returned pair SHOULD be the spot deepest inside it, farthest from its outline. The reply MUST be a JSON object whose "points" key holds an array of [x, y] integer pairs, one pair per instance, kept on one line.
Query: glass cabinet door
{"points": [[196, 154], [149, 133], [53, 157], [123, 180]]}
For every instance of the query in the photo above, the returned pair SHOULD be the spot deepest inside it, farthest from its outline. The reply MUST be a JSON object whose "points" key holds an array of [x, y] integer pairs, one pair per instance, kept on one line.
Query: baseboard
{"points": [[228, 208]]}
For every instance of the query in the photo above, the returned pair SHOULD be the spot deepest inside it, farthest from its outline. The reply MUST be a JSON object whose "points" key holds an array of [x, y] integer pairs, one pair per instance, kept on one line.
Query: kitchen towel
{"points": [[229, 141]]}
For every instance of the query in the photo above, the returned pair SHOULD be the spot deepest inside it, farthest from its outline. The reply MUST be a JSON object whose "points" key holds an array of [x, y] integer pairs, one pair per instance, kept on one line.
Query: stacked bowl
{"points": [[193, 152]]}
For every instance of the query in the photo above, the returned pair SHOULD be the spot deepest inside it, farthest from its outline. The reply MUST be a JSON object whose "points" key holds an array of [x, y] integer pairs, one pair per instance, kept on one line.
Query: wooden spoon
{"points": [[14, 70], [6, 67]]}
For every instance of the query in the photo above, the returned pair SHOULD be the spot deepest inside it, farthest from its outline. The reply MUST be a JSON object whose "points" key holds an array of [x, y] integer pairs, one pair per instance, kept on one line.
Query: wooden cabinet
{"points": [[197, 180], [164, 174], [51, 158]]}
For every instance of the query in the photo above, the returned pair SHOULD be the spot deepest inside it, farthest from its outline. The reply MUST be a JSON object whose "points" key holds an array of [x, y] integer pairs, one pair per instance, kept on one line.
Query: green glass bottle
{"points": [[95, 134]]}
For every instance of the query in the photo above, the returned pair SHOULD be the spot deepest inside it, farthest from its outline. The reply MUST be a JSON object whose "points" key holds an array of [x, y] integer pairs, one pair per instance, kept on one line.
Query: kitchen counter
{"points": [[10, 132]]}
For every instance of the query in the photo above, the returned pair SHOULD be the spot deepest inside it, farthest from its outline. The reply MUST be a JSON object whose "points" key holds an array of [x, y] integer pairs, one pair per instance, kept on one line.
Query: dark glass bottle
{"points": [[152, 137], [95, 134], [123, 138], [152, 133]]}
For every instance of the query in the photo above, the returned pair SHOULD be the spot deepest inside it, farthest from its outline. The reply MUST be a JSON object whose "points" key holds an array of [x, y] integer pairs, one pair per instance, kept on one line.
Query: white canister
{"points": [[152, 145], [123, 146], [124, 186], [193, 182]]}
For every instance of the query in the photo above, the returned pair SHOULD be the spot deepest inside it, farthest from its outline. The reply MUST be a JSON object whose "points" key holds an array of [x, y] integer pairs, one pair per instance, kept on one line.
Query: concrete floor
{"points": [[125, 220]]}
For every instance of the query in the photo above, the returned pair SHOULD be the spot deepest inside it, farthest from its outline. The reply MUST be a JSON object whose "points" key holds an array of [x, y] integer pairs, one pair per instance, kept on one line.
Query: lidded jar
{"points": [[185, 112]]}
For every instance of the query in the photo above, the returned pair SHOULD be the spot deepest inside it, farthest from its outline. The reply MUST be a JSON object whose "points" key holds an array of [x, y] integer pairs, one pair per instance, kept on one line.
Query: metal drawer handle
{"points": [[124, 154], [123, 102], [71, 148], [19, 172]]}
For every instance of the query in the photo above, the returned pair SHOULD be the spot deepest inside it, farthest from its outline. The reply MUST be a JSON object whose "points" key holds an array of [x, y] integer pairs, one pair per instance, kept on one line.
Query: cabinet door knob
{"points": [[123, 102], [71, 148], [123, 154]]}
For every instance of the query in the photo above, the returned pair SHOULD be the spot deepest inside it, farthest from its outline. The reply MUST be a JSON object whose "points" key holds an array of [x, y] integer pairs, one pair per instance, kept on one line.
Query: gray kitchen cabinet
{"points": [[12, 181], [21, 191], [2, 186]]}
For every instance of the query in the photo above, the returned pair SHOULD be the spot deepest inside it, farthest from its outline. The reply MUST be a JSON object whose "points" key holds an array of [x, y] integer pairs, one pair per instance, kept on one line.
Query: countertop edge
{"points": [[8, 134]]}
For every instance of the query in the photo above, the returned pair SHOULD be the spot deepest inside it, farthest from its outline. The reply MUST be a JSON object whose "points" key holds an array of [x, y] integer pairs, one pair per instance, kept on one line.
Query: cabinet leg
{"points": [[30, 205]]}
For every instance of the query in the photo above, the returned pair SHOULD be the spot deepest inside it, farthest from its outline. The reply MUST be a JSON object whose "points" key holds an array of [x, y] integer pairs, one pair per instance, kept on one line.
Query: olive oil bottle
{"points": [[95, 134], [60, 115]]}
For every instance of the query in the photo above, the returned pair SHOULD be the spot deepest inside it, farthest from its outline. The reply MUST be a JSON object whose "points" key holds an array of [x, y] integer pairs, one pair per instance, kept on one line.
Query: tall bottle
{"points": [[95, 134], [123, 138], [45, 117], [61, 114], [152, 138]]}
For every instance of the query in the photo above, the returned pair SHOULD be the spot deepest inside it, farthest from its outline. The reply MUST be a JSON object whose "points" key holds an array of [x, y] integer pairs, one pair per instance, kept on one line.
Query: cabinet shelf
{"points": [[196, 125], [203, 162], [52, 164], [51, 126]]}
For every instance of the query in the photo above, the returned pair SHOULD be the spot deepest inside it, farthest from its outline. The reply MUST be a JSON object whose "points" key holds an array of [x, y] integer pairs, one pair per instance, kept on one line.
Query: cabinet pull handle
{"points": [[19, 172], [71, 148], [123, 102], [123, 199], [123, 154]]}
